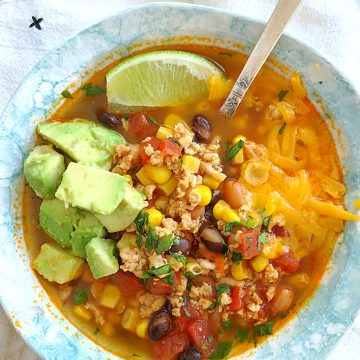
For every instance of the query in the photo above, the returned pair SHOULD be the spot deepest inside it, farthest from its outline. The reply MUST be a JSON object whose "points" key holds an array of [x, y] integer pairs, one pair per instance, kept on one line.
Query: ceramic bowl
{"points": [[319, 325]]}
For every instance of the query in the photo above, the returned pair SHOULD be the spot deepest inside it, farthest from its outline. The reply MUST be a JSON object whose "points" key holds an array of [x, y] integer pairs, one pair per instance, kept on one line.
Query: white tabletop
{"points": [[330, 26]]}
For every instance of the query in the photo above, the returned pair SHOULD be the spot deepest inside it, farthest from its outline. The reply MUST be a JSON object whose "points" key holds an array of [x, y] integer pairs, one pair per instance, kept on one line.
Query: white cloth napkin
{"points": [[330, 26]]}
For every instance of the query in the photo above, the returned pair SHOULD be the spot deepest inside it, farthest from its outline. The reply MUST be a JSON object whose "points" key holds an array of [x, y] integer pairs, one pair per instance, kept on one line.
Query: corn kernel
{"points": [[155, 217], [272, 248], [297, 85], [128, 179], [82, 312], [141, 328], [158, 174], [128, 240], [357, 204], [299, 281], [143, 177], [171, 120], [210, 182], [164, 132], [240, 271], [203, 106], [110, 296], [259, 263], [113, 317], [271, 204], [205, 194], [239, 157], [218, 209], [129, 319], [162, 203], [219, 87], [108, 329], [120, 307], [191, 163], [169, 187], [230, 215]]}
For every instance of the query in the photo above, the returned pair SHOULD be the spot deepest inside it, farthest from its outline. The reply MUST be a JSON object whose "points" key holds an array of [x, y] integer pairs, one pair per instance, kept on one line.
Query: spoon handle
{"points": [[280, 17]]}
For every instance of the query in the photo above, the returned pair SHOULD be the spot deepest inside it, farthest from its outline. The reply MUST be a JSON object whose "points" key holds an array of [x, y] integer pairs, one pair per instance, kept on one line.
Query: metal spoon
{"points": [[279, 18]]}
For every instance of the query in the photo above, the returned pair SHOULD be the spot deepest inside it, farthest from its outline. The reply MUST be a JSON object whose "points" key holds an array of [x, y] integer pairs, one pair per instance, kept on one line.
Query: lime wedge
{"points": [[160, 78]]}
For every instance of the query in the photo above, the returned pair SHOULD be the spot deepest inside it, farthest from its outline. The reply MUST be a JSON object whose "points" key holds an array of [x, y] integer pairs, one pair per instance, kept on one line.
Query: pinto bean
{"points": [[281, 302], [200, 279], [108, 119], [234, 193], [212, 238], [198, 212], [160, 324], [201, 128]]}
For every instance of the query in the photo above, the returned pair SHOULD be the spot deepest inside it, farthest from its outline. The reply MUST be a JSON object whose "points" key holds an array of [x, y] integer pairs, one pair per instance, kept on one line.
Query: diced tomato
{"points": [[192, 313], [158, 287], [237, 293], [201, 335], [169, 148], [287, 262], [128, 283], [279, 231], [249, 243], [215, 321], [170, 346], [154, 142], [140, 125]]}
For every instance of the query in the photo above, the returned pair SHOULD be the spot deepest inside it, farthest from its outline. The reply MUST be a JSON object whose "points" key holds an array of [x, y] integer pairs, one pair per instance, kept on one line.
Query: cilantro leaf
{"points": [[266, 221], [162, 270], [139, 240], [263, 329], [165, 243], [227, 324], [242, 334], [80, 297], [235, 149], [222, 351], [230, 225], [262, 239], [249, 222], [178, 257], [221, 289], [97, 330], [152, 239], [212, 306], [141, 221], [282, 93], [282, 128], [66, 94], [92, 90], [189, 275], [169, 279], [186, 311], [236, 258], [153, 120]]}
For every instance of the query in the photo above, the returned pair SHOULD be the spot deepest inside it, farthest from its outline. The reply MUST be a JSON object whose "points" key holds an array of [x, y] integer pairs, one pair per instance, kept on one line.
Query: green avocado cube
{"points": [[43, 169], [101, 254], [57, 265], [89, 227], [92, 189], [58, 221], [83, 140], [126, 212]]}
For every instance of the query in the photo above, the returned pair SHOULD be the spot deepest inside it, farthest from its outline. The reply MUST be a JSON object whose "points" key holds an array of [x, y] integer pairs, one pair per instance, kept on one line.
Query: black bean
{"points": [[192, 353], [160, 324], [108, 119], [183, 246], [115, 236], [212, 238], [201, 128]]}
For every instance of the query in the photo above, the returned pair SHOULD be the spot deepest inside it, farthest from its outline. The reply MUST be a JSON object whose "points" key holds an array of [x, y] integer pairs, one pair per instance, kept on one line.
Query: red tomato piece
{"points": [[170, 346], [279, 231], [201, 335], [249, 243], [141, 126], [128, 283], [192, 313], [237, 293], [215, 321], [169, 148], [158, 287], [154, 142], [287, 262]]}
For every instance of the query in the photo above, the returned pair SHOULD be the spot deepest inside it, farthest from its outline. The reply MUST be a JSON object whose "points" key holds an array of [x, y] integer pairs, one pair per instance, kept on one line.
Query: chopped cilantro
{"points": [[212, 306], [186, 298], [155, 273], [125, 116], [227, 324], [230, 225], [204, 345], [153, 120], [80, 297], [226, 146], [180, 258], [263, 329], [225, 54], [163, 244], [174, 141], [282, 128], [219, 331], [222, 351], [210, 339], [186, 311], [97, 330], [249, 222], [242, 334], [92, 90], [221, 289], [262, 239], [141, 221], [139, 240], [236, 258], [235, 149], [66, 94], [190, 275], [152, 239], [282, 93], [169, 279], [266, 221]]}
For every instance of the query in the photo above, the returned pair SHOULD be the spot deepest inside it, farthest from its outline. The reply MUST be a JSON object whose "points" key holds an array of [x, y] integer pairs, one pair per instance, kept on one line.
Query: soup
{"points": [[204, 235]]}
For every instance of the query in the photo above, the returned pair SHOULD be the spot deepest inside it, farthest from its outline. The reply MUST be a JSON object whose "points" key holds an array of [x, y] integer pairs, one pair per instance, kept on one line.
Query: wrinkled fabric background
{"points": [[332, 27]]}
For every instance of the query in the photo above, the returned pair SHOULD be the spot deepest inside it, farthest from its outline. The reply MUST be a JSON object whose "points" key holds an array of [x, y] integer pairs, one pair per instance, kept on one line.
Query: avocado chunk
{"points": [[57, 265], [58, 221], [101, 254], [88, 227], [43, 169], [126, 212], [83, 140], [92, 189]]}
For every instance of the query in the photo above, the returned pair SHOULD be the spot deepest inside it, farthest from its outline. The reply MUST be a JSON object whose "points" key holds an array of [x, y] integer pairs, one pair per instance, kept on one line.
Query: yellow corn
{"points": [[230, 215], [297, 85], [110, 297], [113, 317], [82, 312], [299, 281], [239, 157], [203, 106], [259, 263], [210, 182], [205, 194], [129, 319], [271, 204], [219, 87], [218, 209], [287, 111], [357, 204], [272, 248], [161, 203], [155, 217], [240, 271], [158, 174], [120, 307], [169, 187], [171, 120], [108, 329], [128, 179], [128, 240], [141, 328], [143, 178], [164, 132], [191, 163]]}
